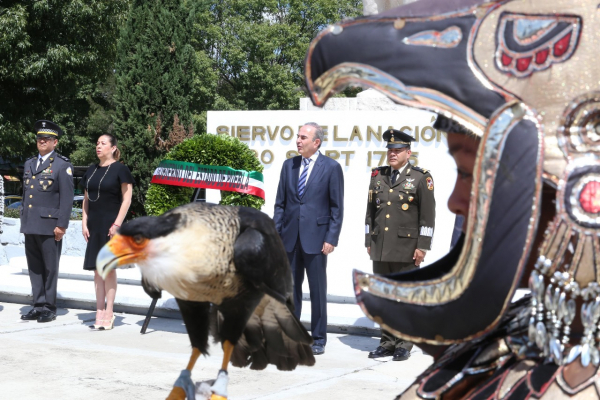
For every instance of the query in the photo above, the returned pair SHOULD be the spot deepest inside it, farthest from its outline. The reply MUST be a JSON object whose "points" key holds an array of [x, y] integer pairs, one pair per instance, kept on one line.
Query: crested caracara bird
{"points": [[228, 270]]}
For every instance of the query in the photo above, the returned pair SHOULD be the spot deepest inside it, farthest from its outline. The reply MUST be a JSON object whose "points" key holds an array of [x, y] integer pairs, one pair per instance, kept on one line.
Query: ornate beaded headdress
{"points": [[522, 76]]}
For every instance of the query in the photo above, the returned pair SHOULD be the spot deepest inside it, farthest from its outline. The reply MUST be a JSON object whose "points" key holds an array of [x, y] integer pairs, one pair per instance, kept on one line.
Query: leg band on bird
{"points": [[219, 388], [184, 386]]}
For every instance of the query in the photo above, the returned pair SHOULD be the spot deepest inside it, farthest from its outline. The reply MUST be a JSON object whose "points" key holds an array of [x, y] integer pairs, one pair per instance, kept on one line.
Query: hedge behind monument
{"points": [[207, 149]]}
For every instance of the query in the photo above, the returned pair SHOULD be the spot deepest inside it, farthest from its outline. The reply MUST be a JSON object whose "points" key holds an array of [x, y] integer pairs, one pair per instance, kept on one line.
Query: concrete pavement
{"points": [[66, 360]]}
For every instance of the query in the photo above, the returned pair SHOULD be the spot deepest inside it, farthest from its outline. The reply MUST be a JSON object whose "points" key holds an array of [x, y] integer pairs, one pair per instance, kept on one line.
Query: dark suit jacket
{"points": [[317, 216]]}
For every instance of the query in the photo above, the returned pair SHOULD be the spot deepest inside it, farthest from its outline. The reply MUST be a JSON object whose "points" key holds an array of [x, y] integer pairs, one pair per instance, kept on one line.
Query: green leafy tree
{"points": [[154, 75], [53, 54], [252, 51]]}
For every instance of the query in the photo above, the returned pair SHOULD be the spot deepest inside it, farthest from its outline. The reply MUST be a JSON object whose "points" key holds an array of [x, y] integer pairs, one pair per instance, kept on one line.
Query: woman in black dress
{"points": [[107, 197]]}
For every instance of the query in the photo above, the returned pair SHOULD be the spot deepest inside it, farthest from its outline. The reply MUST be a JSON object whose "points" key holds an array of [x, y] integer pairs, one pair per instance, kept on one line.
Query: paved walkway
{"points": [[66, 360], [76, 290]]}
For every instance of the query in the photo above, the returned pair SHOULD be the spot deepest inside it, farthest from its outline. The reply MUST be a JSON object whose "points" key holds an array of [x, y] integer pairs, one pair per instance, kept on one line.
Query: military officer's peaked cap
{"points": [[47, 129], [397, 139]]}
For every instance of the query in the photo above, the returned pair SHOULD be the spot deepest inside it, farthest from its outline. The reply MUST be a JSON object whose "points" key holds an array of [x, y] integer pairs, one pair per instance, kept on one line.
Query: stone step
{"points": [[76, 290]]}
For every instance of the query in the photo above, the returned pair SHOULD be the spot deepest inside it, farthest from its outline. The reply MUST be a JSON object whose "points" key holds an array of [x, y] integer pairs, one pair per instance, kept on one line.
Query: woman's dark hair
{"points": [[113, 142]]}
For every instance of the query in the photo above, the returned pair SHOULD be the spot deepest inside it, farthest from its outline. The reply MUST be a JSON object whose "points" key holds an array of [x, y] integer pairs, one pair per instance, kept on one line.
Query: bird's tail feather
{"points": [[273, 335]]}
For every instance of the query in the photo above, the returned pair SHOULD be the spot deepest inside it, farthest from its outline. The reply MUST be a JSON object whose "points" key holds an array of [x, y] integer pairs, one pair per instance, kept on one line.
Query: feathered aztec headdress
{"points": [[524, 77]]}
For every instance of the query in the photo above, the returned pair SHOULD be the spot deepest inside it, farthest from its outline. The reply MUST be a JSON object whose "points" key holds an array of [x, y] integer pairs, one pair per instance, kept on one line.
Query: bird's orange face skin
{"points": [[129, 249]]}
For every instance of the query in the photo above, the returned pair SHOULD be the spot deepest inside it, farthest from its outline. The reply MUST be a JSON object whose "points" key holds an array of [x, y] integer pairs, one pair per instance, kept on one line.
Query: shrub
{"points": [[16, 213], [12, 213], [217, 150]]}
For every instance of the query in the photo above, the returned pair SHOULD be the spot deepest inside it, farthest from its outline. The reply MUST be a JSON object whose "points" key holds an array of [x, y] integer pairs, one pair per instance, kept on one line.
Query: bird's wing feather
{"points": [[259, 256], [273, 335]]}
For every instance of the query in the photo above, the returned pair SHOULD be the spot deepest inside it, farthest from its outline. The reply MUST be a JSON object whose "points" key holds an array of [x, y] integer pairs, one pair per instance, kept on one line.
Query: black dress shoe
{"points": [[318, 349], [46, 316], [32, 315], [380, 352], [401, 354]]}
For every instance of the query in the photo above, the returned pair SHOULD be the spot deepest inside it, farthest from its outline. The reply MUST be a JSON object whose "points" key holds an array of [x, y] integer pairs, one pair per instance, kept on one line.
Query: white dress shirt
{"points": [[401, 169], [313, 160], [44, 158]]}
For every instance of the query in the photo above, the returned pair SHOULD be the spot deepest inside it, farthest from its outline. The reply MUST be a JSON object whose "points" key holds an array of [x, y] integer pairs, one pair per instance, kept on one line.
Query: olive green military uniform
{"points": [[400, 218]]}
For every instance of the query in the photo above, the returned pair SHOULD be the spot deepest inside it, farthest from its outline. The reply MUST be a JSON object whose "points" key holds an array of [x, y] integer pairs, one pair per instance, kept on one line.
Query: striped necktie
{"points": [[302, 181]]}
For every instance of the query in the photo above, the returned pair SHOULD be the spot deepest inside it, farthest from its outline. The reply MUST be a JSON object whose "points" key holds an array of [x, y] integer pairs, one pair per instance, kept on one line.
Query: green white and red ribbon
{"points": [[179, 173]]}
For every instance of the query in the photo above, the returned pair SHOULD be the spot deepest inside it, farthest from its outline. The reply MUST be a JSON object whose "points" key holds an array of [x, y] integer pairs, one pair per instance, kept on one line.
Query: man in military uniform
{"points": [[399, 223], [47, 204]]}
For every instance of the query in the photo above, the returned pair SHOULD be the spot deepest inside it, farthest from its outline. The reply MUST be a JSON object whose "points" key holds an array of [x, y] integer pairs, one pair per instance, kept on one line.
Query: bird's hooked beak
{"points": [[119, 251]]}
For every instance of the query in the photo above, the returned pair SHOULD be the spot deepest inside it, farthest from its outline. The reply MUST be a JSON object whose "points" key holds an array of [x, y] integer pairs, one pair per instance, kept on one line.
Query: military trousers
{"points": [[389, 341], [43, 256]]}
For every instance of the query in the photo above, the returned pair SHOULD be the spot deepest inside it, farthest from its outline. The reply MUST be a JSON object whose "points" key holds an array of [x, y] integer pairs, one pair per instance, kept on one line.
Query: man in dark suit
{"points": [[47, 204], [309, 209], [399, 223]]}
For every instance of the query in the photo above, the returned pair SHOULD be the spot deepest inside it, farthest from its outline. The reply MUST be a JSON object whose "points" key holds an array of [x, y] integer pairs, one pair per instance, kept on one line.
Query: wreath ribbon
{"points": [[179, 173]]}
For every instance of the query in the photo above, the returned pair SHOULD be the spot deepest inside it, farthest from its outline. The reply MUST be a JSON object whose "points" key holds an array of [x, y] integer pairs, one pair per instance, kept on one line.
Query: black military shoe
{"points": [[32, 315], [401, 354], [318, 349], [46, 316], [380, 352]]}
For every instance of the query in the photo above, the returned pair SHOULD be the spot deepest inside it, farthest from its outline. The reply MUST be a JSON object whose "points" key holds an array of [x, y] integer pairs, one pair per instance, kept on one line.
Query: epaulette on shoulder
{"points": [[63, 157], [31, 158], [375, 170], [421, 170]]}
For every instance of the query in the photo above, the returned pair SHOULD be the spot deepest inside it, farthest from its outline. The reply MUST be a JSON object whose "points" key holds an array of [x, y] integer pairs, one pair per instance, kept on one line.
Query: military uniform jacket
{"points": [[401, 217], [47, 195]]}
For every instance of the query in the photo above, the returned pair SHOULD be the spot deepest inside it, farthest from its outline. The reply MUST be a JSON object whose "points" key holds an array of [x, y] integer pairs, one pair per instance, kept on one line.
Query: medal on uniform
{"points": [[401, 197], [410, 198], [405, 206], [378, 182], [27, 182], [377, 201], [409, 184]]}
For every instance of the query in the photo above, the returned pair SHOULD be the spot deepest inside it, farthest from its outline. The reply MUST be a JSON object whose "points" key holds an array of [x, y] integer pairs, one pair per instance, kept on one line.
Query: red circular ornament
{"points": [[590, 197], [374, 172]]}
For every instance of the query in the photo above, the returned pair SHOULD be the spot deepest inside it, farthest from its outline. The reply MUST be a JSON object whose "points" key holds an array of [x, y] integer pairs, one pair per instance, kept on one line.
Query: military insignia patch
{"points": [[69, 171], [374, 173], [409, 184], [429, 183]]}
